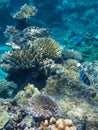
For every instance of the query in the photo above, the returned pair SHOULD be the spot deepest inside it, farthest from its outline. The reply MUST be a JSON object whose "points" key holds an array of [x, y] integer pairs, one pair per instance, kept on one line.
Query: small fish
{"points": [[76, 39], [84, 77]]}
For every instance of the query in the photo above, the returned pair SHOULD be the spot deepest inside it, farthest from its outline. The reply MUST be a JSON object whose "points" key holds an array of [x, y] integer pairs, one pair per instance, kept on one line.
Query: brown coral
{"points": [[43, 106]]}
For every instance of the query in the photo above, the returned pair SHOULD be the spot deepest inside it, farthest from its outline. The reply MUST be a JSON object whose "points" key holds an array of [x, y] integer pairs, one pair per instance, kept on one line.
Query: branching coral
{"points": [[43, 106], [21, 59], [35, 56], [25, 12]]}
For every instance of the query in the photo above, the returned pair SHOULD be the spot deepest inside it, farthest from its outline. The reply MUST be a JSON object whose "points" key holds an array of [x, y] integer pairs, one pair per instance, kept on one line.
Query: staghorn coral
{"points": [[43, 106], [50, 47], [25, 12]]}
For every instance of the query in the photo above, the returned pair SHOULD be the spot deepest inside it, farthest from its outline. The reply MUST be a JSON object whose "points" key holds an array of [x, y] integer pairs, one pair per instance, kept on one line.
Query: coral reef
{"points": [[21, 59], [74, 96], [19, 113], [89, 53], [40, 108], [25, 12], [7, 89], [33, 57], [50, 47], [71, 54], [4, 117], [60, 124], [32, 53], [24, 37]]}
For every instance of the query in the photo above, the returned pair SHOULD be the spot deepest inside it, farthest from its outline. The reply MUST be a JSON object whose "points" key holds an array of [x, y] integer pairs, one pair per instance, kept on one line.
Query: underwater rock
{"points": [[71, 54], [23, 96], [14, 122], [4, 117]]}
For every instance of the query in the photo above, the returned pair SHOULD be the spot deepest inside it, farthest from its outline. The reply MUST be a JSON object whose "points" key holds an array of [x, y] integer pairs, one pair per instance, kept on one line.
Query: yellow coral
{"points": [[49, 48], [60, 124]]}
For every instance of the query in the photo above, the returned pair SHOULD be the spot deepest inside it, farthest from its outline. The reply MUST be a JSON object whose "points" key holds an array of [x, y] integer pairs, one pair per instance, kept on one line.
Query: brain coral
{"points": [[43, 106]]}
